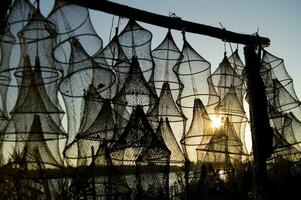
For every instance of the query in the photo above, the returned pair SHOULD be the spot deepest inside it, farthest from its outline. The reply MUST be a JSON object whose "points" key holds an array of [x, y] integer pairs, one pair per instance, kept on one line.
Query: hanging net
{"points": [[279, 85], [193, 71], [230, 87], [200, 130], [176, 156], [166, 56], [136, 41], [6, 45], [73, 21], [284, 109], [81, 71], [136, 91], [141, 147], [223, 149], [19, 15], [141, 123]]}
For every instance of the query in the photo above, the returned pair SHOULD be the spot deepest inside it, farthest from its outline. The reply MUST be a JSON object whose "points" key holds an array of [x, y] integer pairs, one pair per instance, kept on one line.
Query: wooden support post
{"points": [[261, 131], [93, 173]]}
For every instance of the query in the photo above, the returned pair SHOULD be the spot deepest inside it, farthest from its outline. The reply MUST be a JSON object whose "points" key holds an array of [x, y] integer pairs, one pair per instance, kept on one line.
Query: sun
{"points": [[216, 122]]}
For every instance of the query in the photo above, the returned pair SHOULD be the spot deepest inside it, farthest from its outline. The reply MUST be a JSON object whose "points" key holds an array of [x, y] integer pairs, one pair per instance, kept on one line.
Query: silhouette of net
{"points": [[284, 108], [19, 15], [167, 108], [32, 124], [224, 147], [81, 71], [279, 85], [230, 87], [113, 57], [136, 41], [165, 56], [225, 77], [166, 84], [238, 66], [193, 72], [176, 156], [73, 21], [199, 131], [136, 91], [98, 128], [141, 147], [36, 151], [236, 62], [286, 140], [7, 42], [34, 86], [35, 42]]}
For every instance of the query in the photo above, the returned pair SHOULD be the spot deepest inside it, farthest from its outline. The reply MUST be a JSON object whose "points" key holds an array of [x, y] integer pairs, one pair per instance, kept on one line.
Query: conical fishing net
{"points": [[136, 41], [141, 123], [193, 71], [176, 156], [141, 147], [166, 55], [73, 21], [224, 147], [230, 87], [136, 91], [284, 108]]}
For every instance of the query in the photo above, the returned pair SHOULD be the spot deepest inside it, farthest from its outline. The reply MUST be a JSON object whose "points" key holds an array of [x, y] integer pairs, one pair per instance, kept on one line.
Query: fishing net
{"points": [[165, 56], [176, 156], [167, 108], [199, 132], [113, 57], [98, 128], [167, 85], [6, 44], [136, 91], [230, 87], [284, 109], [73, 21], [19, 15], [238, 66], [286, 140], [236, 62], [136, 41], [279, 85], [193, 71], [83, 71], [223, 149], [142, 148], [36, 151]]}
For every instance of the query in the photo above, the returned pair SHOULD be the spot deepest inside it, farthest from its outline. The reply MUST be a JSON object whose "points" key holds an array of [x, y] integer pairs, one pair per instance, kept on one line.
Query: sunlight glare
{"points": [[216, 121]]}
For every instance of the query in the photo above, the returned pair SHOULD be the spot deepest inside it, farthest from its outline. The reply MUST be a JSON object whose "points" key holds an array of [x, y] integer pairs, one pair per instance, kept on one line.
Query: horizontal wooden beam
{"points": [[175, 23]]}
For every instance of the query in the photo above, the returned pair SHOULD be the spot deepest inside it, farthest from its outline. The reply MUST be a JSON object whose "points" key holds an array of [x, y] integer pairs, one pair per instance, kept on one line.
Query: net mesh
{"points": [[133, 113], [284, 108]]}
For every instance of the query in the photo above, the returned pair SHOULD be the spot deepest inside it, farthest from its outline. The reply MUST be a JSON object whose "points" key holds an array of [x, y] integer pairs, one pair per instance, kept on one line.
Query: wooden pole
{"points": [[175, 23], [93, 173], [261, 131]]}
